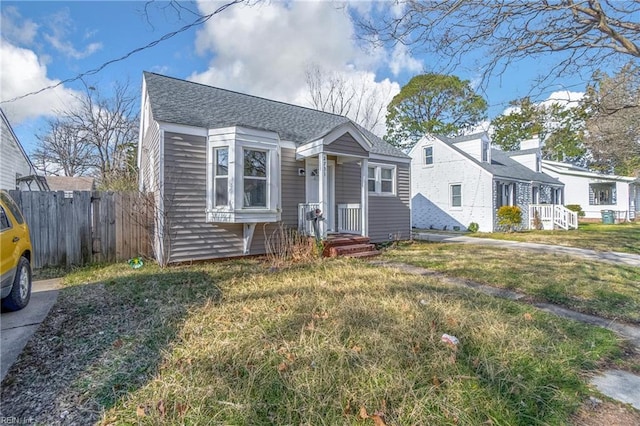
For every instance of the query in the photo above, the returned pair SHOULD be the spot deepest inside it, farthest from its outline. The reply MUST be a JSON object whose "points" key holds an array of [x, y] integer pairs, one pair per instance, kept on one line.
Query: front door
{"points": [[313, 188]]}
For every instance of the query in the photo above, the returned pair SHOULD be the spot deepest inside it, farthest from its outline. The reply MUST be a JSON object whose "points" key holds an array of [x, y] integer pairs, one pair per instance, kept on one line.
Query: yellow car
{"points": [[15, 256]]}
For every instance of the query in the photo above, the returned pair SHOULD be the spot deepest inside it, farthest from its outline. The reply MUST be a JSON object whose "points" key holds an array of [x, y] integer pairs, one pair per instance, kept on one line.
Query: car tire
{"points": [[21, 289]]}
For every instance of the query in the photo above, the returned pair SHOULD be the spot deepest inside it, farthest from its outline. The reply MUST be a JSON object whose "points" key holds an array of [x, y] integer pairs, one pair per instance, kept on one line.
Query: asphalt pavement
{"points": [[18, 327]]}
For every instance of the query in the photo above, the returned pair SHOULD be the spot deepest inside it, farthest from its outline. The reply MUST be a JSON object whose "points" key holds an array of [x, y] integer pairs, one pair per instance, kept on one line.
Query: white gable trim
{"points": [[317, 146]]}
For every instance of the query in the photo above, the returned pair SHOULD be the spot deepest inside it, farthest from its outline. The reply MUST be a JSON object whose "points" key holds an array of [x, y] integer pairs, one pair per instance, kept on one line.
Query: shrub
{"points": [[473, 227], [576, 208], [509, 217]]}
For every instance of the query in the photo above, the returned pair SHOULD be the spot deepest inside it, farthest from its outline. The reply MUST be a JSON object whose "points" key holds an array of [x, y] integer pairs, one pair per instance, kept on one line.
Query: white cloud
{"points": [[23, 73], [60, 25], [401, 60], [564, 98], [20, 33], [264, 49]]}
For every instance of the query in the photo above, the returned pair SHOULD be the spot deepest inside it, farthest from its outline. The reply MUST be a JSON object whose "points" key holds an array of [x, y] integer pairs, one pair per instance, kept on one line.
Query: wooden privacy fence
{"points": [[87, 227]]}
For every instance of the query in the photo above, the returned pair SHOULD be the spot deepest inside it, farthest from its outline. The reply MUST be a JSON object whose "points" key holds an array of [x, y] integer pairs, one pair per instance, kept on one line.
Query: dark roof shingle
{"points": [[194, 104]]}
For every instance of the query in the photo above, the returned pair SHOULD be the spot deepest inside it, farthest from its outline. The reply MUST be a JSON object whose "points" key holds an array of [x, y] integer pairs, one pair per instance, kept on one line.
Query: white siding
{"points": [[576, 191], [430, 190]]}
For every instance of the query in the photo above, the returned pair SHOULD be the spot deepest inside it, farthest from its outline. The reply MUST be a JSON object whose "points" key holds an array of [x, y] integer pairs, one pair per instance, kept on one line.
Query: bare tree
{"points": [[96, 136], [61, 150], [613, 125], [354, 98], [109, 125], [584, 35]]}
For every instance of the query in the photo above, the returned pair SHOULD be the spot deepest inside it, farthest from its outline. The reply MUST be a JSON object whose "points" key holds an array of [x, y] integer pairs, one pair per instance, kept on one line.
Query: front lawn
{"points": [[623, 237], [597, 288], [333, 342]]}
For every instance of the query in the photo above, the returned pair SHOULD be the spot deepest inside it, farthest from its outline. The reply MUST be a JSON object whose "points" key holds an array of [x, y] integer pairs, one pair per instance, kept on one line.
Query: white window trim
{"points": [[238, 139], [424, 156], [378, 179], [451, 206]]}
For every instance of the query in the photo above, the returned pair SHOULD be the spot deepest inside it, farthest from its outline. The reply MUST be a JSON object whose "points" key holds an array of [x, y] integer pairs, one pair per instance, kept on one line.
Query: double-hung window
{"points": [[381, 179], [221, 177], [428, 155], [456, 195], [255, 178]]}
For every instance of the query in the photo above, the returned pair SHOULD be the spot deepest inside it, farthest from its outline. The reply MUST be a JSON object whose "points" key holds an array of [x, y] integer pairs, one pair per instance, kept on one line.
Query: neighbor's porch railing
{"points": [[349, 218], [551, 215]]}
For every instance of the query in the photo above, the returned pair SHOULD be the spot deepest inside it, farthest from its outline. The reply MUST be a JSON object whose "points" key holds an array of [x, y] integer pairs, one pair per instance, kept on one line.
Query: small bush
{"points": [[509, 217], [473, 227], [576, 208]]}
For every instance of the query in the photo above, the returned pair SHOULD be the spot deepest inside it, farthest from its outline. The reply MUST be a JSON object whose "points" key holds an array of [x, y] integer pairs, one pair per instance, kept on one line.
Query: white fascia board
{"points": [[389, 158], [181, 128], [309, 149], [142, 114], [591, 175], [288, 144]]}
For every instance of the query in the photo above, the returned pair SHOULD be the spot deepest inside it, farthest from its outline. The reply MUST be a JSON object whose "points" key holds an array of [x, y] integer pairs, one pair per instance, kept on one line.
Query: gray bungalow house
{"points": [[457, 181], [227, 168]]}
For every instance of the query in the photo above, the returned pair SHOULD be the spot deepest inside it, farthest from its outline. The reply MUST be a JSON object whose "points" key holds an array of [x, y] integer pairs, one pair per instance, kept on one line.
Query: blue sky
{"points": [[262, 50]]}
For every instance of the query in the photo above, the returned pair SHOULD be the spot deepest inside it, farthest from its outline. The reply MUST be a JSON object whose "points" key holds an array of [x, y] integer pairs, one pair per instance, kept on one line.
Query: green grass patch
{"points": [[598, 288], [623, 237], [240, 343]]}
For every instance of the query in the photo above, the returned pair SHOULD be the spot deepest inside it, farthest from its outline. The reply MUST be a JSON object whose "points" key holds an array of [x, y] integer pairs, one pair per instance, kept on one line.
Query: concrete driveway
{"points": [[18, 327]]}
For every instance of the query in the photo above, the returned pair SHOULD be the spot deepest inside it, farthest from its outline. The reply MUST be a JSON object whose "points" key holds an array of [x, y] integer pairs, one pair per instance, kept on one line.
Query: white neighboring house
{"points": [[455, 182], [595, 192], [16, 169]]}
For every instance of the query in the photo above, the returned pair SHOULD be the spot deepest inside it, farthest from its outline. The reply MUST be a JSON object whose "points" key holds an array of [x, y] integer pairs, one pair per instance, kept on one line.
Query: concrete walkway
{"points": [[616, 384], [617, 258], [18, 327]]}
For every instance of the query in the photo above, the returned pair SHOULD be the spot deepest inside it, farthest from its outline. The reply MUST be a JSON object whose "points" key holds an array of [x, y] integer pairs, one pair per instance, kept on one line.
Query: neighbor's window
{"points": [[381, 179], [602, 194], [255, 178], [428, 155], [456, 195], [221, 177], [485, 151]]}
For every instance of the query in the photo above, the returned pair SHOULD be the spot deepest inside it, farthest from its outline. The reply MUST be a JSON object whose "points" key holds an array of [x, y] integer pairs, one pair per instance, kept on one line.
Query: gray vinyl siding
{"points": [[391, 214], [348, 183], [387, 214], [189, 236], [347, 145], [293, 187]]}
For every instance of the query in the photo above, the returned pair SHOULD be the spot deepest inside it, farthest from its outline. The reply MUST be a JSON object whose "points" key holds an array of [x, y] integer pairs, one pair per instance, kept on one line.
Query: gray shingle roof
{"points": [[502, 165], [194, 104]]}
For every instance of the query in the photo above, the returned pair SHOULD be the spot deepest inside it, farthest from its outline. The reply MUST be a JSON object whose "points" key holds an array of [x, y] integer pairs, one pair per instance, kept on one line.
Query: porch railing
{"points": [[349, 218], [552, 215], [305, 226]]}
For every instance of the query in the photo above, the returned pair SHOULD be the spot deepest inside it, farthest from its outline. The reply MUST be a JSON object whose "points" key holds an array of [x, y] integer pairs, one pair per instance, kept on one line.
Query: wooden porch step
{"points": [[345, 240], [351, 249]]}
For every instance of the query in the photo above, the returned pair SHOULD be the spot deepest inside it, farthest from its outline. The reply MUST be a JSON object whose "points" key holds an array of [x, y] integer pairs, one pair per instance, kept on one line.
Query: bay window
{"points": [[243, 176]]}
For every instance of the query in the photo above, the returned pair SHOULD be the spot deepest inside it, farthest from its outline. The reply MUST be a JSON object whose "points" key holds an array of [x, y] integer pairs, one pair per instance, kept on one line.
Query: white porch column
{"points": [[364, 197], [322, 192]]}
